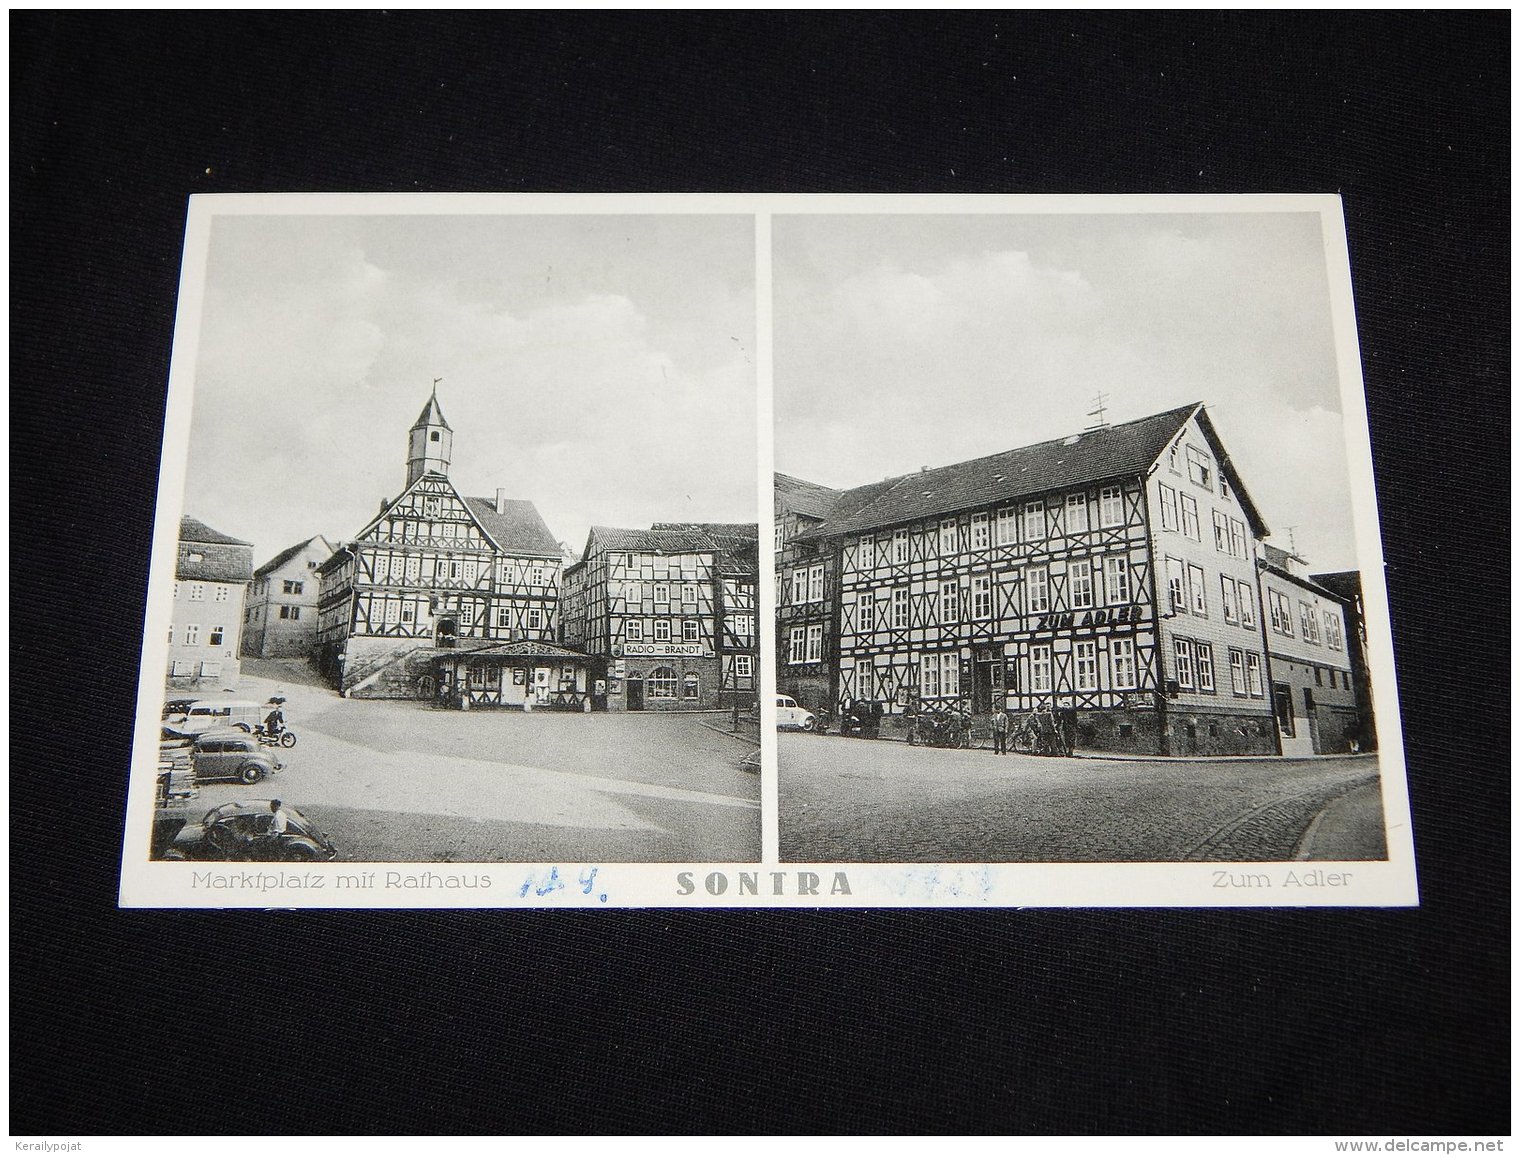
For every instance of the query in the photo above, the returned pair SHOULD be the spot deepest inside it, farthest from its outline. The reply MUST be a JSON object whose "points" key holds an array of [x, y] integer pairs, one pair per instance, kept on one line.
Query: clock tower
{"points": [[429, 443]]}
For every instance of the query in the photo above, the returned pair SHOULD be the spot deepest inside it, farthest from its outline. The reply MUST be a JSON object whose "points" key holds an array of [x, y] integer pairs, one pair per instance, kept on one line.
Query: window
{"points": [[1199, 591], [947, 537], [290, 613], [413, 568], [929, 675], [1200, 468], [1253, 674], [865, 612], [1190, 518], [392, 612], [1176, 587], [1168, 507], [1224, 486], [634, 629], [1111, 505], [799, 586], [691, 688], [796, 645], [691, 631], [1229, 599], [981, 598], [1039, 669], [1237, 537], [1007, 521], [1319, 676], [1116, 579], [294, 587], [1076, 513], [1183, 650], [661, 594], [1037, 585], [466, 613], [1081, 577], [221, 594], [980, 531], [1332, 629], [1206, 667], [1247, 606], [780, 536], [662, 629], [661, 683], [197, 592], [1121, 658], [949, 602], [815, 583], [1221, 532], [744, 666], [689, 594], [865, 557], [215, 637], [950, 677], [1034, 521], [1279, 614], [815, 642], [408, 612], [900, 609], [171, 635], [1173, 456], [1238, 673], [1309, 621], [900, 547], [1086, 655]]}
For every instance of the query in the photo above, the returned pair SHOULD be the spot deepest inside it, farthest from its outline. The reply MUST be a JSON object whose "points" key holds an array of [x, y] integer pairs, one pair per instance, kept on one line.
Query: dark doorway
{"points": [[635, 693], [448, 633], [1282, 699], [986, 680]]}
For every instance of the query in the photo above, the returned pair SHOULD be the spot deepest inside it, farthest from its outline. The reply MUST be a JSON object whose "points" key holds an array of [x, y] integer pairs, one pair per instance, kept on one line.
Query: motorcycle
{"points": [[947, 728]]}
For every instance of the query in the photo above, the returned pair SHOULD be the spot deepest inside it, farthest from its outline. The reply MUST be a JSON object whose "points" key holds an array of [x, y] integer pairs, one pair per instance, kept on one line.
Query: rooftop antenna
{"points": [[1292, 545], [1100, 411]]}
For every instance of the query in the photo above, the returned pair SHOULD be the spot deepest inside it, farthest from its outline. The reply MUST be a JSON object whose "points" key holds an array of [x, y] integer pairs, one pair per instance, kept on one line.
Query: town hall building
{"points": [[445, 595]]}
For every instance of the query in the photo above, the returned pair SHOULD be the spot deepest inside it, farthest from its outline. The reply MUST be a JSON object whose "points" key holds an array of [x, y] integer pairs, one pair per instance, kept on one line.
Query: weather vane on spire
{"points": [[435, 385]]}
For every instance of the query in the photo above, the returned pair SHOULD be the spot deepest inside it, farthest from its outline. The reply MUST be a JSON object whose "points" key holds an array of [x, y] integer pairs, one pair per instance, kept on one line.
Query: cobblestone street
{"points": [[846, 800], [397, 781]]}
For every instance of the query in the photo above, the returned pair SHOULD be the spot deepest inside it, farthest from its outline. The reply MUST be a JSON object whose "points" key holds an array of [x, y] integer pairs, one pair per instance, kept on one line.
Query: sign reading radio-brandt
{"points": [[666, 650]]}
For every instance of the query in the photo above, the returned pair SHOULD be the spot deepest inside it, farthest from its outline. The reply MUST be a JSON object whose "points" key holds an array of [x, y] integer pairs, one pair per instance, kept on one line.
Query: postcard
{"points": [[764, 551]]}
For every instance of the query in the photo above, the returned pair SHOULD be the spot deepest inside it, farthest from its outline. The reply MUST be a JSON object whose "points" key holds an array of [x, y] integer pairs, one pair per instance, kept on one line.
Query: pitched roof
{"points": [[431, 414], [285, 555], [744, 530], [192, 530], [806, 497], [650, 540], [518, 529], [1112, 451]]}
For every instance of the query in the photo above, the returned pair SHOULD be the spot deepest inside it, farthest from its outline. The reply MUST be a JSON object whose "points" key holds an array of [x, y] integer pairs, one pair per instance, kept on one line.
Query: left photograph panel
{"points": [[456, 558]]}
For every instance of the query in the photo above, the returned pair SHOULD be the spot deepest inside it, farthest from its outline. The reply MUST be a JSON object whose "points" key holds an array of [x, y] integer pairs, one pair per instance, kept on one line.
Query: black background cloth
{"points": [[1060, 1021]]}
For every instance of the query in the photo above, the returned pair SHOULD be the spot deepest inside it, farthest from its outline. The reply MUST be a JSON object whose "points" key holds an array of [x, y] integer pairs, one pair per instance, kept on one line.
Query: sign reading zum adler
{"points": [[666, 650]]}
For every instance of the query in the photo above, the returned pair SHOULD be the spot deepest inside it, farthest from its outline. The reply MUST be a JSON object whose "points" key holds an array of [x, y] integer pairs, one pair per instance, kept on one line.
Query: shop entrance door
{"points": [[635, 693], [986, 680]]}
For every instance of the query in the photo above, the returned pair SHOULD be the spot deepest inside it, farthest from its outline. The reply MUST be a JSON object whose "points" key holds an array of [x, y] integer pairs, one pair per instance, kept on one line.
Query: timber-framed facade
{"points": [[1110, 576], [434, 571]]}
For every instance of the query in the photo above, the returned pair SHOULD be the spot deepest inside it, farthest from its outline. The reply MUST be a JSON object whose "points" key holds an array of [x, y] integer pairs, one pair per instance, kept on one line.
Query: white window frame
{"points": [[1203, 653], [981, 531], [1247, 606], [865, 612], [1084, 662], [1111, 506], [691, 631], [950, 675], [1176, 586], [796, 645], [1007, 525], [1253, 675], [1198, 590], [744, 665], [1032, 527], [865, 554], [1077, 511], [1041, 668], [192, 634], [633, 629], [950, 602], [661, 593], [1116, 579], [1168, 502], [1238, 672], [535, 618], [815, 583], [1190, 524], [1121, 662], [948, 535], [799, 586], [1200, 468], [1221, 532], [1037, 589], [1182, 663], [662, 629], [981, 597], [1229, 599], [815, 642], [901, 617], [1079, 584], [1237, 538], [1332, 629], [928, 676], [900, 551]]}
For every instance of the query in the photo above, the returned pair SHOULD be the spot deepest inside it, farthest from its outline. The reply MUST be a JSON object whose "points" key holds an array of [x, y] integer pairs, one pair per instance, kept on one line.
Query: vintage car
{"points": [[788, 713], [239, 832], [220, 755]]}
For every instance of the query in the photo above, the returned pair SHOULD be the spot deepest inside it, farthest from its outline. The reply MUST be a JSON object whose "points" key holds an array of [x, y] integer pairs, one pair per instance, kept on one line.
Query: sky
{"points": [[905, 341], [601, 367]]}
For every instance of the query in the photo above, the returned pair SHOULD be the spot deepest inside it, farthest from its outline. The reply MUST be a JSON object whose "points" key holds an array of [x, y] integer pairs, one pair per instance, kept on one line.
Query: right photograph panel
{"points": [[1066, 562]]}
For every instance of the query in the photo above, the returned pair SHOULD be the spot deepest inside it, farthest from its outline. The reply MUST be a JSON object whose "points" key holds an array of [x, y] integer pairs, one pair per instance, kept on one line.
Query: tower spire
{"points": [[430, 442]]}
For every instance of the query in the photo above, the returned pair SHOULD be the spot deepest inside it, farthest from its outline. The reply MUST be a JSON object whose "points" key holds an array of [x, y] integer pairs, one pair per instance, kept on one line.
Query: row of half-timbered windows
{"points": [[661, 630], [939, 675], [1245, 674]]}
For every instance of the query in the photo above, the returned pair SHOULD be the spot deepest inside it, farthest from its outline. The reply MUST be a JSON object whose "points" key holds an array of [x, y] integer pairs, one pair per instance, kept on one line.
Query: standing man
{"points": [[1000, 731]]}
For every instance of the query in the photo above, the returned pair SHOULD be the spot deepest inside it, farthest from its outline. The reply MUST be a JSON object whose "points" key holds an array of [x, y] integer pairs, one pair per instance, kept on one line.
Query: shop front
{"points": [[517, 675]]}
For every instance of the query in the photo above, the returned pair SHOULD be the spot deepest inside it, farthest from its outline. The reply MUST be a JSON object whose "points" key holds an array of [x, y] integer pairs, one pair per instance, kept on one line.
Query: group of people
{"points": [[1050, 729]]}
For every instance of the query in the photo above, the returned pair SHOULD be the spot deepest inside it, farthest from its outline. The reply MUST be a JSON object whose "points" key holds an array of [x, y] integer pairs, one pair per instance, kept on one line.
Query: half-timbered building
{"points": [[434, 571], [738, 637], [648, 604], [1110, 575]]}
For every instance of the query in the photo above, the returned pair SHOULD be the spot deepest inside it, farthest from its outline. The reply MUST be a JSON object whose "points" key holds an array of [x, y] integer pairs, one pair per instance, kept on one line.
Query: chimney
{"points": [[501, 501]]}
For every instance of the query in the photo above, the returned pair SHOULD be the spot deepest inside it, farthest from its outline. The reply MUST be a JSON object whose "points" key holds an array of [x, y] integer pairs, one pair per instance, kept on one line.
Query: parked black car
{"points": [[239, 832]]}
